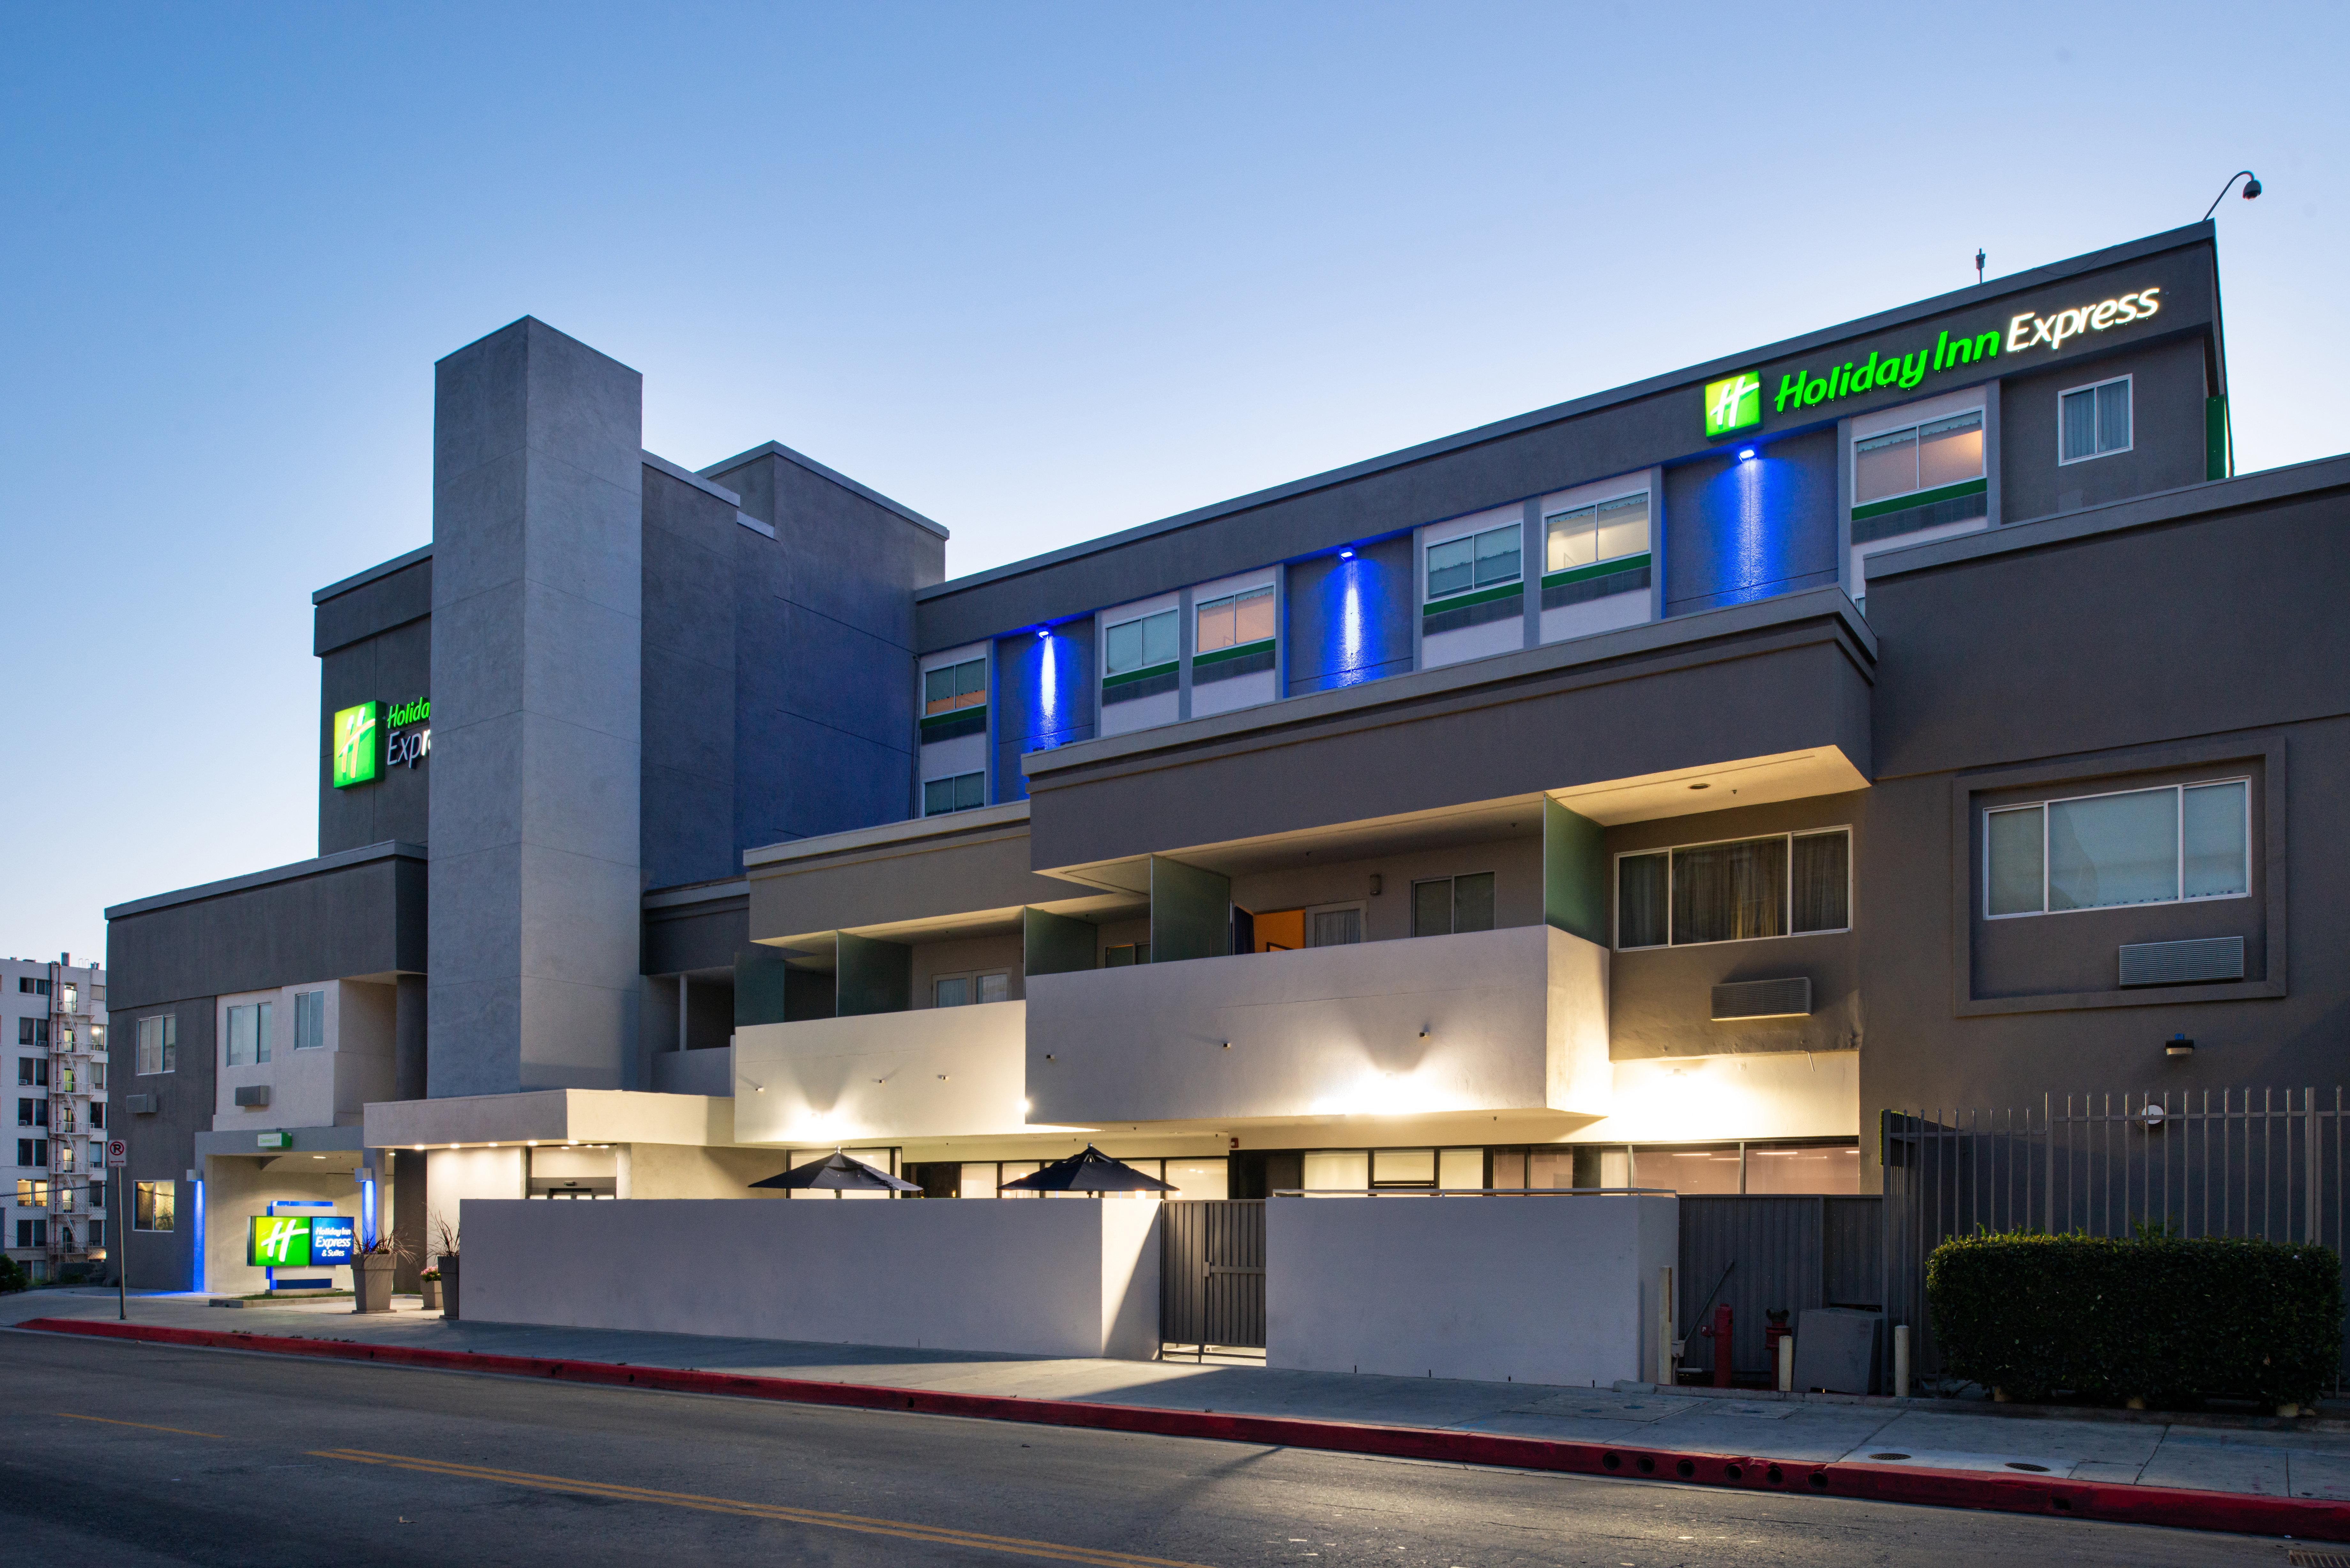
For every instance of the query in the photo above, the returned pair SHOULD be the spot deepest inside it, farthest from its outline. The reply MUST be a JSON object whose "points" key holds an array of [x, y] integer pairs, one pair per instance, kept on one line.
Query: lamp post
{"points": [[2251, 189]]}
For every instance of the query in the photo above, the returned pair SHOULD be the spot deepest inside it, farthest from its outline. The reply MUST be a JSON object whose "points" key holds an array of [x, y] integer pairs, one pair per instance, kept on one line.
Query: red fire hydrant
{"points": [[1719, 1335]]}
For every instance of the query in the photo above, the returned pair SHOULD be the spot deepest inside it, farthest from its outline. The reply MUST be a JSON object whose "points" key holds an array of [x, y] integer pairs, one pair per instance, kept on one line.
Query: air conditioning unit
{"points": [[253, 1096], [139, 1105], [2182, 963], [1762, 999]]}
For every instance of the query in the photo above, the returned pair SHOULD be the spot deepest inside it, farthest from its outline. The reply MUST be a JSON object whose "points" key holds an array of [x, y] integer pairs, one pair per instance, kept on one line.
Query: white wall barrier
{"points": [[1061, 1277], [1556, 1290]]}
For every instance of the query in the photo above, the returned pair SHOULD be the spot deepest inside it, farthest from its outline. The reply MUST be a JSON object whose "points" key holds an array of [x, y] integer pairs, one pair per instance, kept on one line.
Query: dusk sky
{"points": [[1039, 272]]}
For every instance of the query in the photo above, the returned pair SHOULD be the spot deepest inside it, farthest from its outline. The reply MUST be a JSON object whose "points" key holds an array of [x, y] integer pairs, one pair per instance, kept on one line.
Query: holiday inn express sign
{"points": [[300, 1241], [1734, 403], [366, 739]]}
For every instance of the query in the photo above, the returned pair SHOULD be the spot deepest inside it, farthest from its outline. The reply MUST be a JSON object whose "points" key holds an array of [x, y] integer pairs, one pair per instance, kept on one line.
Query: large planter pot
{"points": [[432, 1289], [371, 1282], [449, 1289]]}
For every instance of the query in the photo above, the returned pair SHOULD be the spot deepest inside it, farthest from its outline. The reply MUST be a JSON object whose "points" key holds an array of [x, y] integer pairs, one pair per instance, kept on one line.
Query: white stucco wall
{"points": [[1514, 1020], [883, 1077], [1074, 1277], [1538, 1289]]}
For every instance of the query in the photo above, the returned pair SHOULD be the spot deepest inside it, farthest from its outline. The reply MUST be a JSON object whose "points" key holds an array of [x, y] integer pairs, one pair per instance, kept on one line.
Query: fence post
{"points": [[2048, 1165], [1665, 1377], [2310, 1231]]}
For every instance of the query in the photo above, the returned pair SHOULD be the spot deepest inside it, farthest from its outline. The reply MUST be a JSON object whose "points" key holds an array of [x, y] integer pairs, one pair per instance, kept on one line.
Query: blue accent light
{"points": [[1746, 453], [1346, 554], [1352, 596], [196, 1279], [1053, 679], [1043, 631], [367, 1213], [1747, 511]]}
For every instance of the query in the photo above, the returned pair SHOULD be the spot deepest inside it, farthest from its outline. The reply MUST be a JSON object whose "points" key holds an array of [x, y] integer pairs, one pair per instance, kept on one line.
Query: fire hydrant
{"points": [[1719, 1334]]}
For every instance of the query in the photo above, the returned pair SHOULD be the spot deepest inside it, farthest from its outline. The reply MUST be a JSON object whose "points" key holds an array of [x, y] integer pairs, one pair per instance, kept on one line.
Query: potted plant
{"points": [[444, 1250], [431, 1283], [371, 1272]]}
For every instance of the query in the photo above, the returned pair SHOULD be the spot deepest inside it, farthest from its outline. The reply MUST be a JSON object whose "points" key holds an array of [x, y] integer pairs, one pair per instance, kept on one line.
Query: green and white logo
{"points": [[279, 1242], [1732, 404], [355, 751]]}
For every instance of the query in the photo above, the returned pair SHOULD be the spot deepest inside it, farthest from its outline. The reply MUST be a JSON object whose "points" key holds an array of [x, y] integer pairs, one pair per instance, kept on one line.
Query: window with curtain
{"points": [[1235, 620], [2095, 421], [1335, 927], [2169, 845], [953, 686], [1473, 561], [1925, 456], [1441, 906], [1603, 532], [959, 793], [1741, 890]]}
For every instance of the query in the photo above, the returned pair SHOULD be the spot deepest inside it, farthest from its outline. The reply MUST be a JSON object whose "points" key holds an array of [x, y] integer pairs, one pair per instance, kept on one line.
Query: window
{"points": [[72, 997], [1125, 955], [959, 793], [1785, 885], [1589, 536], [1235, 620], [32, 1232], [2093, 421], [1444, 905], [159, 1041], [32, 987], [151, 1205], [1335, 928], [248, 1035], [309, 1020], [97, 1234], [98, 1077], [97, 1114], [1925, 456], [32, 1151], [1473, 561], [961, 990], [25, 1072], [2166, 845], [953, 686], [32, 1032], [1403, 1167], [41, 1073], [32, 1194], [1133, 647]]}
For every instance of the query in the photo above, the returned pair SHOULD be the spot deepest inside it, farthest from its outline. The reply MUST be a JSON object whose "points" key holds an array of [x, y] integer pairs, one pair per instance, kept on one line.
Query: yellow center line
{"points": [[784, 1513], [142, 1426]]}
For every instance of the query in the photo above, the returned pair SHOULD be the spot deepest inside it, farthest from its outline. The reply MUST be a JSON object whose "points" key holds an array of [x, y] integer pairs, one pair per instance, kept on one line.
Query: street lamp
{"points": [[2251, 189]]}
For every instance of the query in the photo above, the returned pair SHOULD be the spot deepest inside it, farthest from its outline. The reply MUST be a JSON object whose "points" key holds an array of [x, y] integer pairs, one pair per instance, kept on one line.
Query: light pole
{"points": [[2251, 189]]}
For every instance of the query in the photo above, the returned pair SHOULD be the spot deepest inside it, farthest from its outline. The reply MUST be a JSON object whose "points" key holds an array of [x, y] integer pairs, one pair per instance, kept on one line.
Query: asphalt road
{"points": [[134, 1455]]}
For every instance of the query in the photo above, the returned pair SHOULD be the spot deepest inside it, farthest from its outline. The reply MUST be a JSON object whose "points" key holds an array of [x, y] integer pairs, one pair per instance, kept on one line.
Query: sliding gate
{"points": [[1211, 1275]]}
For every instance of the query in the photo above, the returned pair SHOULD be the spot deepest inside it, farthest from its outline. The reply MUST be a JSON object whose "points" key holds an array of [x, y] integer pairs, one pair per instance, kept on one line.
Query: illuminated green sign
{"points": [[1732, 404], [355, 749], [300, 1241]]}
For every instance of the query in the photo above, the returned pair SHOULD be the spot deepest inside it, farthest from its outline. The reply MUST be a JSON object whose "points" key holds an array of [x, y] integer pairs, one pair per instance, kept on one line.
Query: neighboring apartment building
{"points": [[53, 1016], [1649, 789]]}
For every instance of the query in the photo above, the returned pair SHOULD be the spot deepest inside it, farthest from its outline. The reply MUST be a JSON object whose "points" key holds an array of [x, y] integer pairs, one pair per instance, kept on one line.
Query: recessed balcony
{"points": [[1513, 1020]]}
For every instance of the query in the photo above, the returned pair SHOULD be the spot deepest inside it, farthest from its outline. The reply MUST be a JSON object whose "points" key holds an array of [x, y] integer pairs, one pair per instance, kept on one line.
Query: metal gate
{"points": [[1766, 1254], [2261, 1163], [1211, 1275]]}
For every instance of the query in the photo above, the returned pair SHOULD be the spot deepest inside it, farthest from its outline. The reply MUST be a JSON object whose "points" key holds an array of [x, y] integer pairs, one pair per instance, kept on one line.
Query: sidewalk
{"points": [[2287, 1462]]}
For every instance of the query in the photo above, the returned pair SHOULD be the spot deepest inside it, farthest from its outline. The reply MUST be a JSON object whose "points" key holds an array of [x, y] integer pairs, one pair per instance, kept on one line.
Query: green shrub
{"points": [[12, 1275], [2157, 1317]]}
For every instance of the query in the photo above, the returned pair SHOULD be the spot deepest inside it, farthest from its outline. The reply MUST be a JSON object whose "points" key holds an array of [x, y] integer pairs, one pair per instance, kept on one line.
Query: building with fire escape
{"points": [[54, 1018]]}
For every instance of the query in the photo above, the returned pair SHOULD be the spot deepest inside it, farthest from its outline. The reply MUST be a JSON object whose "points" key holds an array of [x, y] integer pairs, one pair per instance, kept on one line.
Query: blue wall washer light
{"points": [[1746, 453]]}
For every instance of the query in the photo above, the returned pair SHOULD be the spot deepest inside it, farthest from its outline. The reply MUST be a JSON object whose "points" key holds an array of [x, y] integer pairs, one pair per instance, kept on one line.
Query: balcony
{"points": [[1513, 1020], [882, 1077]]}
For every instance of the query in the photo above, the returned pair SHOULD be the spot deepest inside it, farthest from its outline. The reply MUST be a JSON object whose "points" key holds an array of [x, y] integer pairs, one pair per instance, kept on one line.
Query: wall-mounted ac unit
{"points": [[139, 1105], [2183, 963], [253, 1096], [1762, 999]]}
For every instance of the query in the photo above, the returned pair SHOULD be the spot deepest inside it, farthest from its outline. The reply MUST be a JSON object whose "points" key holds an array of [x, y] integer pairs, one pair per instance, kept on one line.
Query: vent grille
{"points": [[1762, 999], [253, 1096], [2183, 963]]}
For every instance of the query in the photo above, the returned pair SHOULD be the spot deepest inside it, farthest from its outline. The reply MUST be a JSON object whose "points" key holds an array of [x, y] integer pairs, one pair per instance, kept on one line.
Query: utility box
{"points": [[1838, 1349]]}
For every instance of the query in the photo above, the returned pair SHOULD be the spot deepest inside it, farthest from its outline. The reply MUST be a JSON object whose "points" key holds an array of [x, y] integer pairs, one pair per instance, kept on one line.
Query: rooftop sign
{"points": [[355, 754]]}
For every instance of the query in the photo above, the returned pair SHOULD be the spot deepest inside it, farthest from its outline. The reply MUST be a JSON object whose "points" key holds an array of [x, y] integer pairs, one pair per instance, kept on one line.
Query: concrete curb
{"points": [[2243, 1513]]}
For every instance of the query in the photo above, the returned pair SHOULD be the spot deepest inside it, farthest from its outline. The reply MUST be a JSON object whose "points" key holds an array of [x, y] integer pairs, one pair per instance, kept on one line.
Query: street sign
{"points": [[118, 1153]]}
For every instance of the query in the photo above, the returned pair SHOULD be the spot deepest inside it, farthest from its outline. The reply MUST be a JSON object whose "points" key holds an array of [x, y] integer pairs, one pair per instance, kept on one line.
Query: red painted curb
{"points": [[2236, 1511]]}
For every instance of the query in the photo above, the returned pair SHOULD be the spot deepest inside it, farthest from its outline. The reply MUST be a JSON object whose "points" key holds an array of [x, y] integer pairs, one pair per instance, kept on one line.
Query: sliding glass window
{"points": [[1473, 561], [2172, 845], [1740, 890]]}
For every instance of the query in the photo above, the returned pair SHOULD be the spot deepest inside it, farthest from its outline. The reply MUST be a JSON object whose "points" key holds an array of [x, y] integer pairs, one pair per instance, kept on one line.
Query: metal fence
{"points": [[1763, 1254], [2265, 1163], [1211, 1275]]}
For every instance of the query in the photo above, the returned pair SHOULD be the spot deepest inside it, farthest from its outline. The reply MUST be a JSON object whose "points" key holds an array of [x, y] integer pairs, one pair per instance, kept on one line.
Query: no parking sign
{"points": [[118, 1153]]}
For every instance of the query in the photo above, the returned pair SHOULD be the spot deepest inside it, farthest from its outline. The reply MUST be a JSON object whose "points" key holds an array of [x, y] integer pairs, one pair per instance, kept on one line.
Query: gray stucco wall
{"points": [[374, 643], [2167, 392], [984, 869], [690, 662], [825, 634], [537, 532], [162, 1145], [2204, 626]]}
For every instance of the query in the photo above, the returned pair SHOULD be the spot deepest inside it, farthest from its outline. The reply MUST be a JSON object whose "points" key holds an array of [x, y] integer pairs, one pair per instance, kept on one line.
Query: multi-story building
{"points": [[54, 1017], [1649, 789]]}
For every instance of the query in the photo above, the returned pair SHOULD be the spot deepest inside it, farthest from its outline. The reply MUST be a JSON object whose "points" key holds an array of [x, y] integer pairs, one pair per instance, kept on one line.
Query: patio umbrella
{"points": [[1092, 1171], [840, 1174]]}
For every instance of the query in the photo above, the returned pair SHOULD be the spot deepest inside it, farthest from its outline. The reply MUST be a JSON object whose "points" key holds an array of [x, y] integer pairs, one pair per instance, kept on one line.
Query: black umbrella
{"points": [[1092, 1171], [840, 1174]]}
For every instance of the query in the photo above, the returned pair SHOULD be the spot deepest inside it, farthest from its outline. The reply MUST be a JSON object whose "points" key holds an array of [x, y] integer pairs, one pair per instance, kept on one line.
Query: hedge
{"points": [[2164, 1319]]}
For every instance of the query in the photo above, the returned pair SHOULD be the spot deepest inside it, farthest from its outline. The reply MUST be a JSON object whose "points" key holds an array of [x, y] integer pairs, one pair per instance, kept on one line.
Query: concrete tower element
{"points": [[537, 639]]}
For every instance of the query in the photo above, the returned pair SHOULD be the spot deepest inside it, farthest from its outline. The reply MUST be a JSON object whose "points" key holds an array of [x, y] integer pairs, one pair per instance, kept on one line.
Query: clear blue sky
{"points": [[1036, 271]]}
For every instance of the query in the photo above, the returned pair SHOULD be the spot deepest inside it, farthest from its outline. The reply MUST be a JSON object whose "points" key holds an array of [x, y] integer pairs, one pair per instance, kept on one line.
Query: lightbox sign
{"points": [[355, 732], [300, 1241], [1732, 405]]}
